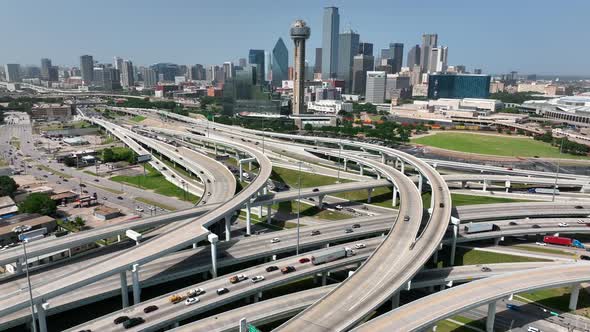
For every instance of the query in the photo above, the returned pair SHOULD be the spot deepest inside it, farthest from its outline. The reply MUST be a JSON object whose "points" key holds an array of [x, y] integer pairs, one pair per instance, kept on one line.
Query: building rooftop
{"points": [[7, 226], [6, 201], [105, 210]]}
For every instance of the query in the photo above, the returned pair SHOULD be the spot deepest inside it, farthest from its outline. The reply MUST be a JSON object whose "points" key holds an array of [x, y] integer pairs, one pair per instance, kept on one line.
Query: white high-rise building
{"points": [[438, 59], [375, 91], [127, 78], [149, 77], [12, 72]]}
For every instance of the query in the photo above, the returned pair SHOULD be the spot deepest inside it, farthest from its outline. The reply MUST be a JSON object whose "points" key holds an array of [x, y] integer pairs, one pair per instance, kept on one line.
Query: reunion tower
{"points": [[299, 33]]}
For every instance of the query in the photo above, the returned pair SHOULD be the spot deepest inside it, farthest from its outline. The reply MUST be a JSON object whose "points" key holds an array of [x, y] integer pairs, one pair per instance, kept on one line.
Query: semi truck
{"points": [[563, 241], [331, 255], [544, 191], [479, 227]]}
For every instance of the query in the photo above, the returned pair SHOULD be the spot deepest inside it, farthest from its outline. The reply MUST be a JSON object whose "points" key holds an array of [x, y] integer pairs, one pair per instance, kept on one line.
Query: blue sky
{"points": [[529, 36]]}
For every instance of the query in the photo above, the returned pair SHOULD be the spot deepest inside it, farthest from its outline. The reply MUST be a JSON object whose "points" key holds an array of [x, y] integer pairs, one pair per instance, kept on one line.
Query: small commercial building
{"points": [[328, 106], [105, 213], [51, 112], [7, 207], [34, 221]]}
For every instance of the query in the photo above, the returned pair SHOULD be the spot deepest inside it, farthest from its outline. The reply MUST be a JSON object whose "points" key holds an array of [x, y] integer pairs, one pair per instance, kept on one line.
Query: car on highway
{"points": [[288, 269], [338, 207], [208, 193], [96, 180], [257, 279], [275, 240], [316, 232], [133, 322], [406, 218], [536, 226], [360, 246], [176, 298], [120, 319], [315, 190], [486, 269], [563, 224], [82, 185], [272, 268], [580, 221], [578, 207], [304, 260], [542, 244], [119, 197], [150, 308], [139, 209], [513, 223], [237, 278], [585, 257], [104, 198], [356, 225], [195, 292], [221, 291], [533, 329], [191, 300], [85, 191], [348, 230]]}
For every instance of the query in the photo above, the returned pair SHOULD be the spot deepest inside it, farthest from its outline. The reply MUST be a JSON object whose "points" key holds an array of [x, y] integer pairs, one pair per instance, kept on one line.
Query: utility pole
{"points": [[557, 172], [33, 322], [298, 206]]}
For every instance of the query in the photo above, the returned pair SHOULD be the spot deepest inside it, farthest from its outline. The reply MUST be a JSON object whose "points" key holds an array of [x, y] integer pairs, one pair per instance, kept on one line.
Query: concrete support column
{"points": [[41, 315], [227, 228], [19, 265], [455, 223], [394, 199], [383, 160], [268, 214], [497, 241], [435, 257], [324, 278], [442, 287], [402, 166], [248, 219], [321, 201], [485, 185], [241, 170], [463, 183], [574, 297], [395, 300], [119, 238], [136, 288], [250, 166], [369, 192], [259, 212], [345, 164], [420, 180], [362, 169], [491, 317], [124, 290], [213, 239]]}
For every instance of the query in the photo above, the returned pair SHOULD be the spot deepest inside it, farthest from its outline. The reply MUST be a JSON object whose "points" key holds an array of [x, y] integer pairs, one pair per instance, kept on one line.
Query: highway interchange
{"points": [[413, 233]]}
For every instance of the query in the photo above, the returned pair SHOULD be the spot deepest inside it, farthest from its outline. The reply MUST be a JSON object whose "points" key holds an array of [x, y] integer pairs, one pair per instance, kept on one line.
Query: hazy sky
{"points": [[529, 36]]}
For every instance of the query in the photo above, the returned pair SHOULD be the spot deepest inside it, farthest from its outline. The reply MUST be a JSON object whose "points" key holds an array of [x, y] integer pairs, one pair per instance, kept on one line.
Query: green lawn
{"points": [[138, 118], [154, 203], [461, 199], [465, 256], [291, 177], [493, 145], [543, 250], [307, 210], [157, 182], [558, 298], [448, 326]]}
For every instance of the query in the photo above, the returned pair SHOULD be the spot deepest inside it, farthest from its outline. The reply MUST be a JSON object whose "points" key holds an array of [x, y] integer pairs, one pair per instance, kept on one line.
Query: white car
{"points": [[138, 209], [542, 244], [563, 224], [195, 292], [338, 207], [257, 279], [580, 221], [360, 246], [275, 240], [533, 329], [191, 300]]}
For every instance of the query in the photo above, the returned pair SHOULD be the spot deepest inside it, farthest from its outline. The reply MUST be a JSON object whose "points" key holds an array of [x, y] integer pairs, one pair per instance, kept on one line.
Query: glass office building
{"points": [[458, 86], [280, 63]]}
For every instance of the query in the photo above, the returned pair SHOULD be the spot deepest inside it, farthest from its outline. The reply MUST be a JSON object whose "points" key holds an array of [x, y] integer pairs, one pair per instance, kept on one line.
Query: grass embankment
{"points": [[450, 326], [308, 180], [543, 250], [307, 210], [466, 256], [493, 145], [154, 203], [138, 118], [559, 298], [154, 180]]}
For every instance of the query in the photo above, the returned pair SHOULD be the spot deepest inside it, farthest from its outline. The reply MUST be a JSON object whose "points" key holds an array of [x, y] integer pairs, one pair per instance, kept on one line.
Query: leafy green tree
{"points": [[308, 127], [79, 222], [7, 186], [108, 155], [38, 203]]}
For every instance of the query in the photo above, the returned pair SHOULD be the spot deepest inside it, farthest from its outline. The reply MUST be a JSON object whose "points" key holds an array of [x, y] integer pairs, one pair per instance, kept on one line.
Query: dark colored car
{"points": [[348, 230], [304, 260], [579, 207], [442, 205], [356, 225], [585, 257], [119, 197], [133, 322], [536, 226], [315, 190], [96, 180], [486, 269], [82, 185], [272, 268], [121, 319], [316, 232], [222, 291], [513, 223], [288, 269], [150, 308]]}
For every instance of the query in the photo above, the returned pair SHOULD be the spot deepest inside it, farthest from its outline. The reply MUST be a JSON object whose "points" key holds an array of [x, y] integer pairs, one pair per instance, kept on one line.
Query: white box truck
{"points": [[331, 255]]}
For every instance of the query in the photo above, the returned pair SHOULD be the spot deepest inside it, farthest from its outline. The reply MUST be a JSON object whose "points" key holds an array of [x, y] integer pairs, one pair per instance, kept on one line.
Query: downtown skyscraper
{"points": [[87, 68], [256, 58], [280, 63], [413, 57], [429, 41], [348, 47], [127, 79], [330, 39]]}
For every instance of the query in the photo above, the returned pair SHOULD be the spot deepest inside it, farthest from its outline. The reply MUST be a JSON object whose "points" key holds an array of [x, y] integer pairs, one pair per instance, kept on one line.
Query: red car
{"points": [[304, 260]]}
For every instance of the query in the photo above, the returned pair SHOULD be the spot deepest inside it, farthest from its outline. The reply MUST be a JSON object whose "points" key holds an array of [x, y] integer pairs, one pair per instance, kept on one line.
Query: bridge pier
{"points": [[455, 223], [248, 218], [402, 169], [491, 317], [213, 239], [227, 227], [345, 164], [485, 185], [321, 201], [241, 169], [42, 316], [19, 265], [124, 290], [395, 300], [362, 169], [435, 257], [575, 292], [324, 278], [369, 192], [268, 214], [420, 180], [394, 199], [383, 159], [136, 287]]}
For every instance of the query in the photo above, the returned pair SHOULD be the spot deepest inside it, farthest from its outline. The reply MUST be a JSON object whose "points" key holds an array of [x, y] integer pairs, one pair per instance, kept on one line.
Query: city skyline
{"points": [[483, 45]]}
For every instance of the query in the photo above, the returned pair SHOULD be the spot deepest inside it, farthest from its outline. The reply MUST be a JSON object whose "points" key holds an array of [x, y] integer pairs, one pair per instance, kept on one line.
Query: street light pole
{"points": [[298, 206], [339, 152], [557, 172], [33, 322]]}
